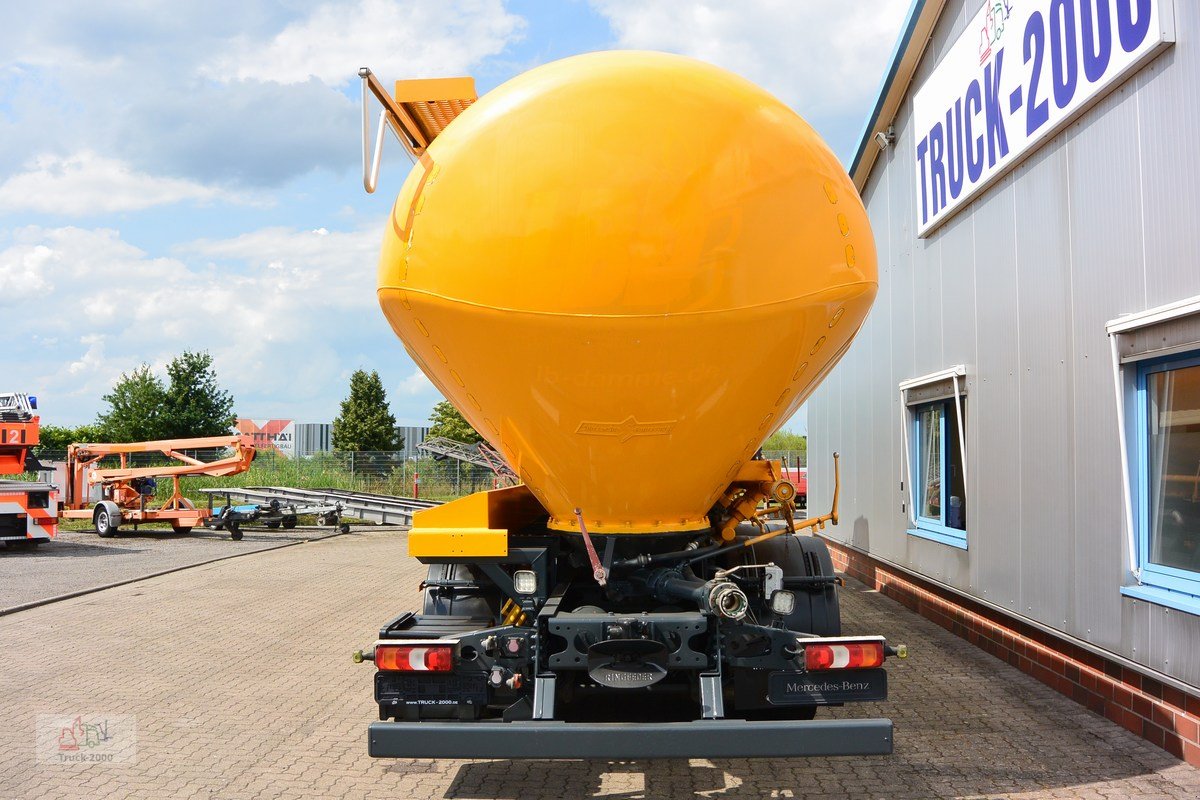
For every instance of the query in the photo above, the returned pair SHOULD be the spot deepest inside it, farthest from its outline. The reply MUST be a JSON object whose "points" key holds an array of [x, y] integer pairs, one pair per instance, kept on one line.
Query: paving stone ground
{"points": [[238, 677], [76, 559]]}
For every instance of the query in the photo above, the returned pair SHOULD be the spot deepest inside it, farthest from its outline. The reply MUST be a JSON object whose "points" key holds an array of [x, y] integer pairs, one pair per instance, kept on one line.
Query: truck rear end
{"points": [[556, 646], [626, 270]]}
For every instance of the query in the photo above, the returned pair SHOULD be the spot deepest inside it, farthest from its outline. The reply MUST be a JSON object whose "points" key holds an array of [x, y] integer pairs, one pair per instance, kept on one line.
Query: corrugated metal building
{"points": [[413, 436], [312, 437], [1032, 181]]}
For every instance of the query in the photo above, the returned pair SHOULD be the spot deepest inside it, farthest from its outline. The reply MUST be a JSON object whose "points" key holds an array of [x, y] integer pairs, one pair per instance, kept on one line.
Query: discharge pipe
{"points": [[720, 597]]}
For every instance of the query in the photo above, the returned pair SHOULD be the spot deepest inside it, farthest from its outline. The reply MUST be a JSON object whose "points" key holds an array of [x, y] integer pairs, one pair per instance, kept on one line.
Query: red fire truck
{"points": [[28, 510]]}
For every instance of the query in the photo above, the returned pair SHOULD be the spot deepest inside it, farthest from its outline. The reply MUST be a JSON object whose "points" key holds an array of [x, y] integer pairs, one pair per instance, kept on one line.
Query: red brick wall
{"points": [[1158, 713]]}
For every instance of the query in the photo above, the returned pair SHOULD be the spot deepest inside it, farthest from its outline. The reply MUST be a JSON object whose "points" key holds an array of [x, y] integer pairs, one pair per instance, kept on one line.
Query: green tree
{"points": [[57, 437], [786, 440], [365, 423], [142, 408], [447, 422], [135, 408], [194, 404]]}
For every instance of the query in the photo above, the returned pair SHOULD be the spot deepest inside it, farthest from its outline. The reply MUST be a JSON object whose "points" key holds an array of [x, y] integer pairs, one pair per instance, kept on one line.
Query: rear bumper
{"points": [[630, 740]]}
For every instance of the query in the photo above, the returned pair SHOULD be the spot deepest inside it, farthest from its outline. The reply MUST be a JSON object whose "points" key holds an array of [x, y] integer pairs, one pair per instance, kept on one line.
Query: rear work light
{"points": [[843, 655], [414, 658]]}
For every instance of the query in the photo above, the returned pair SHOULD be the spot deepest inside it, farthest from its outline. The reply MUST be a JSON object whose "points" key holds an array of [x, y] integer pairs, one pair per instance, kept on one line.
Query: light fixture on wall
{"points": [[885, 138]]}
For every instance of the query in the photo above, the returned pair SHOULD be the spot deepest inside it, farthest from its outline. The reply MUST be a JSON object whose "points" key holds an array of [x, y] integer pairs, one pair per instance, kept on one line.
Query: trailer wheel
{"points": [[106, 526], [235, 532], [273, 524], [289, 522], [817, 611], [182, 529]]}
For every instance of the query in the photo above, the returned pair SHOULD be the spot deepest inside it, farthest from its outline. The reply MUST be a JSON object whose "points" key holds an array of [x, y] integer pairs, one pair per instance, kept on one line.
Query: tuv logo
{"points": [[626, 429]]}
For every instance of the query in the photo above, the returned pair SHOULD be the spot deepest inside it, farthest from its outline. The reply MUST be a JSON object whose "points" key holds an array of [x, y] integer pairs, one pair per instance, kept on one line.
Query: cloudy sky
{"points": [[185, 175]]}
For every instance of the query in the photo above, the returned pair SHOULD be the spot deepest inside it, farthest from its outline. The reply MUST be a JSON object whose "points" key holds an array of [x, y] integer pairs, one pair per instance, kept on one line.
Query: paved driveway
{"points": [[238, 679], [78, 560]]}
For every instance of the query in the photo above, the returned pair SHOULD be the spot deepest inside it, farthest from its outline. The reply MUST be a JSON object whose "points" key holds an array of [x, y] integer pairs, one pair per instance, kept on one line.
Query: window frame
{"points": [[927, 527], [1157, 582]]}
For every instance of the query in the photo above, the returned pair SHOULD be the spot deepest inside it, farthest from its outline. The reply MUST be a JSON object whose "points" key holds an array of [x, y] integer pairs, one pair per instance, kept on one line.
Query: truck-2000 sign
{"points": [[1019, 72]]}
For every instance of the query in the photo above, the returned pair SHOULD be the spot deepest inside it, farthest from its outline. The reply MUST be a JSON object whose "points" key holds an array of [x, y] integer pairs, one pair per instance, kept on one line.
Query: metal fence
{"points": [[378, 472], [791, 458]]}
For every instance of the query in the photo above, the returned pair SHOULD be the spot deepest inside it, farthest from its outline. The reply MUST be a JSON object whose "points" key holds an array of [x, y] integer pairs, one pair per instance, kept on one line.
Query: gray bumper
{"points": [[630, 740]]}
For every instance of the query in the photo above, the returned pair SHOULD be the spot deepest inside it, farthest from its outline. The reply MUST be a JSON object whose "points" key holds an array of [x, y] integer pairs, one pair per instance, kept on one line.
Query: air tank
{"points": [[626, 270]]}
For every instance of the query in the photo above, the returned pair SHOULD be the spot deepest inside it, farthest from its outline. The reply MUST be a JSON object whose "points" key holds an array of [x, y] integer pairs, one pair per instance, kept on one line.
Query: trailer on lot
{"points": [[276, 506], [115, 496]]}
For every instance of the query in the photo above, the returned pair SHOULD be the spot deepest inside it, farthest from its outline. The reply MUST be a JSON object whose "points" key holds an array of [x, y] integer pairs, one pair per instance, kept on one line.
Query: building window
{"points": [[935, 480], [940, 497], [1168, 475], [1156, 373]]}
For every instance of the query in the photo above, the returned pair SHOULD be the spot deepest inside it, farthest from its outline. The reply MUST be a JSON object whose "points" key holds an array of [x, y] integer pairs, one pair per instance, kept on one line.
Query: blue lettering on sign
{"points": [[997, 139], [922, 149], [937, 169], [1073, 42], [1133, 25], [1097, 38], [974, 145], [954, 148]]}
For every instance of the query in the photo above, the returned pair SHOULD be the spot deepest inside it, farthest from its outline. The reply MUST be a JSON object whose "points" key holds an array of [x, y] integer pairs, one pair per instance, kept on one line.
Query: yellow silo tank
{"points": [[626, 270]]}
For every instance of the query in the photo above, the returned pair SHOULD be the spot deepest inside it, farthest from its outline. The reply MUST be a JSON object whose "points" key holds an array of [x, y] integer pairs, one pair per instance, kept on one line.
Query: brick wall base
{"points": [[1159, 713]]}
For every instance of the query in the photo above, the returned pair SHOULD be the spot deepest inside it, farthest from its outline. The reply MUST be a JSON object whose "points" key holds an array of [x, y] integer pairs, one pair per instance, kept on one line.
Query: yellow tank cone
{"points": [[627, 269]]}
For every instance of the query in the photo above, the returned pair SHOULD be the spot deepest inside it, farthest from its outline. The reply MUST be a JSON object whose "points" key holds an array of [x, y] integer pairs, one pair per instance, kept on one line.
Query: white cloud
{"points": [[415, 384], [398, 39], [219, 92], [87, 184], [24, 275], [820, 56], [283, 312]]}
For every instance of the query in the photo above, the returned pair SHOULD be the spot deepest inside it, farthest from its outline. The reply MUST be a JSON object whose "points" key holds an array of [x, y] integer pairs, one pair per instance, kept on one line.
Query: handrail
{"points": [[392, 116]]}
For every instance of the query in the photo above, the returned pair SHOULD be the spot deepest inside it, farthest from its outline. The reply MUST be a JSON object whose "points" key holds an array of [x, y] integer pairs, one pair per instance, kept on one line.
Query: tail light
{"points": [[414, 658], [844, 655]]}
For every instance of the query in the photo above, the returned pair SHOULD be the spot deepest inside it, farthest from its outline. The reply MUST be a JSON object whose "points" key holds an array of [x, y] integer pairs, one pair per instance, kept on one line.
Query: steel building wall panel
{"points": [[1135, 631], [1174, 643], [1168, 98], [928, 306], [1106, 278], [884, 508], [874, 451], [1100, 221], [1043, 256], [903, 329], [959, 346], [858, 430], [954, 20], [994, 531]]}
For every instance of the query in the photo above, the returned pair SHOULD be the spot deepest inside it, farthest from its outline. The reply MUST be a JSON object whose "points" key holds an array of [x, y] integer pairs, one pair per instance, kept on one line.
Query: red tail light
{"points": [[414, 658], [843, 655]]}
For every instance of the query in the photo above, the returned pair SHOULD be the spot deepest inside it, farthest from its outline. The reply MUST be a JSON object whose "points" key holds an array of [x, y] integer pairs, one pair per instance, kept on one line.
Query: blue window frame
{"points": [[939, 491], [1167, 482]]}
